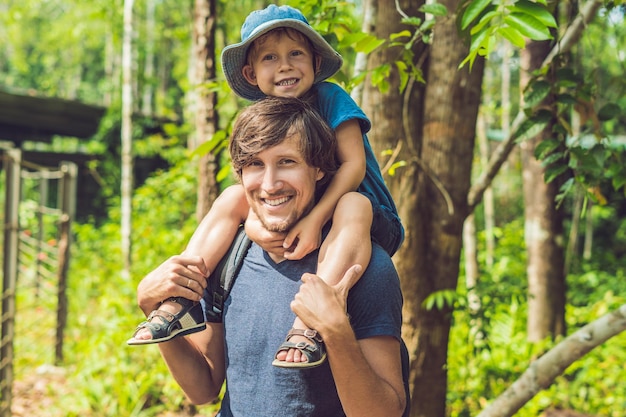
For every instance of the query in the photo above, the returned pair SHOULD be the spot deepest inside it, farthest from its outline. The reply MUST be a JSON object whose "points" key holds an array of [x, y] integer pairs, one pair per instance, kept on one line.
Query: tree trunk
{"points": [[206, 116], [147, 107], [472, 270], [588, 244], [450, 111], [543, 225], [572, 249], [360, 62], [488, 200], [127, 139], [436, 135]]}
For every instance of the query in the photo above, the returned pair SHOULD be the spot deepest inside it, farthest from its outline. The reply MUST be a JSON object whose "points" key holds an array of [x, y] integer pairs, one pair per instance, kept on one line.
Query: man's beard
{"points": [[281, 227], [285, 225]]}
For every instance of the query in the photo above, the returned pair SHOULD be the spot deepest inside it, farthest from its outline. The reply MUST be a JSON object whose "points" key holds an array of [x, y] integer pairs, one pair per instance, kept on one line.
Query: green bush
{"points": [[488, 350], [104, 376]]}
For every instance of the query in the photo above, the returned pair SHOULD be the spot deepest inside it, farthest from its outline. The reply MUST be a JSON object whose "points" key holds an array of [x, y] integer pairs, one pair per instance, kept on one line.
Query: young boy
{"points": [[281, 55]]}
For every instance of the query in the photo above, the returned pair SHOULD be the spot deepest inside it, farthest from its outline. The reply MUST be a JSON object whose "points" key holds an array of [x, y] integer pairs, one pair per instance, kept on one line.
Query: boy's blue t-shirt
{"points": [[257, 317], [336, 106]]}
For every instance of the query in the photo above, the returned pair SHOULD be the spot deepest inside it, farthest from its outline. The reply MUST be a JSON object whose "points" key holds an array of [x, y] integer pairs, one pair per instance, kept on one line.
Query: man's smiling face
{"points": [[280, 185]]}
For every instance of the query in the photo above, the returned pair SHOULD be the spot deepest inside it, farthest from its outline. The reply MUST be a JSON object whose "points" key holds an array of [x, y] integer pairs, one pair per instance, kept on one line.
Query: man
{"points": [[283, 153]]}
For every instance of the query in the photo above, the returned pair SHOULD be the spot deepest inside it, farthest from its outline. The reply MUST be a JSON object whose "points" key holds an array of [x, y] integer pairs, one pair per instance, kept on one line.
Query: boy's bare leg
{"points": [[211, 239], [348, 243]]}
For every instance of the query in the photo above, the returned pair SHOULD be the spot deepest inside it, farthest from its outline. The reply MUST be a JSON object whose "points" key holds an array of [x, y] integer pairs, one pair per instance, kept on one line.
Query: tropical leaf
{"points": [[536, 93], [546, 147], [609, 111], [535, 10], [528, 26], [436, 9], [473, 11], [513, 36]]}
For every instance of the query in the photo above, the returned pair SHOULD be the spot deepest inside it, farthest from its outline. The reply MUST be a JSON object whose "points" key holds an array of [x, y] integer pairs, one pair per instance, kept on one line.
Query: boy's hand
{"points": [[270, 241], [303, 238]]}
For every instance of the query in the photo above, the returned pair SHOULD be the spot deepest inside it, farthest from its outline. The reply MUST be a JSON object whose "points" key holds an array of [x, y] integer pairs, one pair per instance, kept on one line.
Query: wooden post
{"points": [[43, 201], [67, 199], [9, 276]]}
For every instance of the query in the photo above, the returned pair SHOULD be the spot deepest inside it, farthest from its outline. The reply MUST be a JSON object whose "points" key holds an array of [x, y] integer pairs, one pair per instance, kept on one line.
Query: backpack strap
{"points": [[404, 354], [223, 277]]}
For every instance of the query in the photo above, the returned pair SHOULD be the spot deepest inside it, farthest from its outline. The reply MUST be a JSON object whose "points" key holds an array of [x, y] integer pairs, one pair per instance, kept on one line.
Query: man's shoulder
{"points": [[380, 274], [375, 301], [380, 259]]}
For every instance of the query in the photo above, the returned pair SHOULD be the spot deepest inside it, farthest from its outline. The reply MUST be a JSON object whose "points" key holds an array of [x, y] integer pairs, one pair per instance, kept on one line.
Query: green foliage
{"points": [[58, 37], [609, 242], [587, 158], [513, 21], [104, 376], [67, 49], [509, 269], [442, 299], [580, 103], [406, 62], [488, 350]]}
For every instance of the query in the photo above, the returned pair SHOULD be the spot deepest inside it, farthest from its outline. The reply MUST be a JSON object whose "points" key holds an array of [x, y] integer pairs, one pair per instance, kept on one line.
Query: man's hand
{"points": [[179, 276], [321, 306]]}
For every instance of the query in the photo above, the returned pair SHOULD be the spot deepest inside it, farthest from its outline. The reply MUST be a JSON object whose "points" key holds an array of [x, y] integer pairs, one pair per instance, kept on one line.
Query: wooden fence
{"points": [[27, 247]]}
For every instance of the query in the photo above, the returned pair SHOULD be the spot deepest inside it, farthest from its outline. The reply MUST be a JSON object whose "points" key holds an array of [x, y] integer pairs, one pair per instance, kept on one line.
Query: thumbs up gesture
{"points": [[321, 306]]}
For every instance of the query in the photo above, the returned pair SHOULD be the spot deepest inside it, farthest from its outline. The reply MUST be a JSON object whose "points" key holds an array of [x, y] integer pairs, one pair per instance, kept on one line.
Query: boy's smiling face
{"points": [[281, 64]]}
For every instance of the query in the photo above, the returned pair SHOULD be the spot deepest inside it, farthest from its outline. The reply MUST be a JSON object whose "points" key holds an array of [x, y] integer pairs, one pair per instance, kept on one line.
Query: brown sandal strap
{"points": [[162, 314], [180, 300], [310, 334]]}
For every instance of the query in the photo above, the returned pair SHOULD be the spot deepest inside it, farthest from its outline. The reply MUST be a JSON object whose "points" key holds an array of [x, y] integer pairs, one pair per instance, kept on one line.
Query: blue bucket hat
{"points": [[259, 23]]}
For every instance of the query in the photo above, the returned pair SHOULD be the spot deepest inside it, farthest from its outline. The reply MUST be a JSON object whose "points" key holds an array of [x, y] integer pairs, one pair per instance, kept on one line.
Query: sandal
{"points": [[190, 319], [315, 352]]}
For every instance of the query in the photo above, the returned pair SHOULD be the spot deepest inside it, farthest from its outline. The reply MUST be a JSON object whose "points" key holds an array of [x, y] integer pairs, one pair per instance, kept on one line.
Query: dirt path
{"points": [[35, 395], [38, 394]]}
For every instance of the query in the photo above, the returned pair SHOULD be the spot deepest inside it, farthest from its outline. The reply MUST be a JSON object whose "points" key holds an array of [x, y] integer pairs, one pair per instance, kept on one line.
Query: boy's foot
{"points": [[176, 316], [308, 343]]}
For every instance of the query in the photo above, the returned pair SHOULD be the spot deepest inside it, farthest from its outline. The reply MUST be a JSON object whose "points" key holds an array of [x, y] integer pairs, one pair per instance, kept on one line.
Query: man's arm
{"points": [[197, 363], [367, 372], [185, 275]]}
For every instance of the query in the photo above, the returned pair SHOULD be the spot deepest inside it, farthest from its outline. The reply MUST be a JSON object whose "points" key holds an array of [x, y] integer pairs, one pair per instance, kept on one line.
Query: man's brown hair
{"points": [[268, 122]]}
